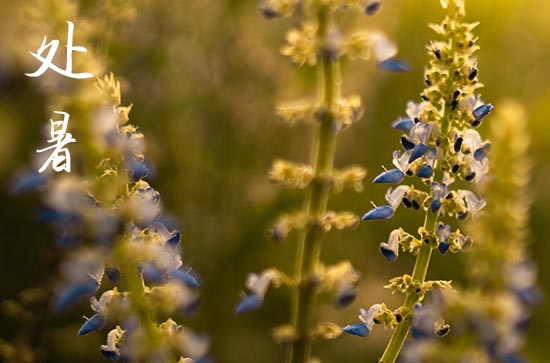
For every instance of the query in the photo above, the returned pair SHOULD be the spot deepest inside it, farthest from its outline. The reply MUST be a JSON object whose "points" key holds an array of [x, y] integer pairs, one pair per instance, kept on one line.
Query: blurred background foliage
{"points": [[204, 77]]}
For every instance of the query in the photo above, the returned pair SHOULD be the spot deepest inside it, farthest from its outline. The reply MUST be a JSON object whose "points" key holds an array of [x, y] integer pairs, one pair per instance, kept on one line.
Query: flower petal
{"points": [[382, 212], [394, 65], [345, 298], [480, 112], [403, 124], [388, 252], [425, 172], [249, 303], [393, 176], [186, 278], [418, 151], [372, 7], [96, 322], [443, 247], [72, 294], [27, 181], [360, 330]]}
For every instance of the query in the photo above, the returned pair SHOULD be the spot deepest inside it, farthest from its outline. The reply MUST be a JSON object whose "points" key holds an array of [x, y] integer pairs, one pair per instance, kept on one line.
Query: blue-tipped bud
{"points": [[249, 303], [393, 176], [153, 275], [372, 7], [418, 151], [443, 247], [425, 172], [96, 322], [435, 205], [111, 355], [137, 170], [269, 12], [382, 212], [403, 124], [174, 240], [74, 293], [345, 298], [458, 144], [113, 274], [531, 296], [394, 65], [186, 278], [189, 309], [388, 253], [513, 358], [407, 144], [443, 330], [482, 152], [360, 330], [482, 111], [419, 333], [27, 182]]}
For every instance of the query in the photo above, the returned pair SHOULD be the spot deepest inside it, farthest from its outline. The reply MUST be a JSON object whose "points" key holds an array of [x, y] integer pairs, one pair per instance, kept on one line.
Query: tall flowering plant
{"points": [[491, 312], [110, 223], [444, 157], [318, 42]]}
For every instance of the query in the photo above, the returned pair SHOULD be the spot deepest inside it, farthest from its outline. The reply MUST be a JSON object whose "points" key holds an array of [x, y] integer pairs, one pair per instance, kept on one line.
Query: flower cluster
{"points": [[110, 221], [440, 146], [494, 307], [319, 42]]}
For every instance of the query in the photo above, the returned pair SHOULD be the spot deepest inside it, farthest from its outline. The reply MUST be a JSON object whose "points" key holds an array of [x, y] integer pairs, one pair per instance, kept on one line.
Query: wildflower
{"points": [[114, 207], [438, 147], [319, 42], [257, 285], [390, 249], [382, 212], [376, 314]]}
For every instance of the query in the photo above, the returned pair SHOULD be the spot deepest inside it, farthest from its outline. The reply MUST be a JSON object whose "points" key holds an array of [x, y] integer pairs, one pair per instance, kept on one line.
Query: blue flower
{"points": [[393, 176], [394, 65], [372, 7], [258, 285], [367, 318], [403, 124], [426, 171], [360, 329], [74, 293], [382, 212], [27, 181], [96, 322], [390, 250], [480, 112], [248, 303]]}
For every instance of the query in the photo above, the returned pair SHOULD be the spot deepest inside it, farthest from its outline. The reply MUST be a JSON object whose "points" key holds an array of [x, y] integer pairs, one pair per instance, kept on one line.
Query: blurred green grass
{"points": [[204, 77]]}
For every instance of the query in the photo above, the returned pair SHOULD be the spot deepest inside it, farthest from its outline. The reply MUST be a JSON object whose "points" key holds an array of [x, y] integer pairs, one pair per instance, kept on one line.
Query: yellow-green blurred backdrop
{"points": [[204, 77]]}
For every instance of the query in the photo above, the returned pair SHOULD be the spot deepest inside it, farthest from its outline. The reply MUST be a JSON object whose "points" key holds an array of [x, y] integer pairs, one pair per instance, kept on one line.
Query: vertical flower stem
{"points": [[315, 203], [134, 284], [419, 275]]}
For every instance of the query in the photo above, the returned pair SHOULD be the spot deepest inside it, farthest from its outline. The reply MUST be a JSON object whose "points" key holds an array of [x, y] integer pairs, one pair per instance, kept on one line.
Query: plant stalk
{"points": [[419, 275], [315, 202]]}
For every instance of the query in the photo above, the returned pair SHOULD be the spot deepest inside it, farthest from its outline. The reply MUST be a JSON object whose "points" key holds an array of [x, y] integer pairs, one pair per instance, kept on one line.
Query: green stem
{"points": [[419, 275], [315, 202]]}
